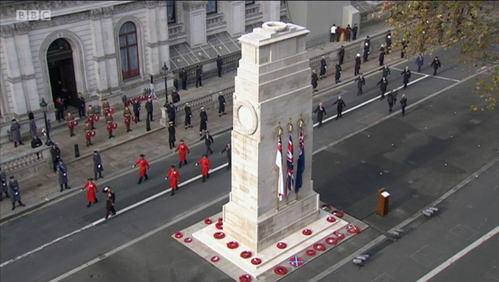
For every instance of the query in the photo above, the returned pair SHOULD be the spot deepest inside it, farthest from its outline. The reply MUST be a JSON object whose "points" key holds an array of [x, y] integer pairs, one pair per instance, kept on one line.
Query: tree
{"points": [[470, 26]]}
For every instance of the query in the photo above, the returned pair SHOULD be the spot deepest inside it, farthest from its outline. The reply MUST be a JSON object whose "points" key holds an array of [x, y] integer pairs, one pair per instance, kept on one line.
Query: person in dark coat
{"points": [[98, 167], [203, 125], [407, 75], [228, 150], [348, 32], [183, 77], [35, 143], [220, 63], [171, 135], [381, 58], [172, 113], [341, 104], [175, 96], [341, 55], [365, 54], [32, 126], [199, 76], [391, 98], [188, 116], [208, 140], [361, 81], [321, 112], [420, 61], [80, 102], [435, 64], [403, 103], [3, 182], [59, 106], [357, 65], [354, 31], [337, 74], [15, 193], [149, 109], [110, 201], [63, 175], [55, 152], [15, 130], [221, 104], [136, 110], [386, 71], [322, 73], [315, 80], [383, 84]]}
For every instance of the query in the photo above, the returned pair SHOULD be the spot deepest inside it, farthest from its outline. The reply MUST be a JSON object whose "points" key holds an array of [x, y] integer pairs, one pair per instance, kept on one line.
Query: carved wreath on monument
{"points": [[246, 117]]}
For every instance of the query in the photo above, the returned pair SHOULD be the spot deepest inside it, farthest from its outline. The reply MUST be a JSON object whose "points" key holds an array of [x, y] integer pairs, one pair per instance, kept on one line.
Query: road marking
{"points": [[369, 101], [435, 76], [102, 219], [459, 255], [144, 236]]}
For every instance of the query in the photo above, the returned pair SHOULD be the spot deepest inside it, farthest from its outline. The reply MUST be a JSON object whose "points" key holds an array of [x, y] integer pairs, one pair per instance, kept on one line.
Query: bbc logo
{"points": [[33, 15]]}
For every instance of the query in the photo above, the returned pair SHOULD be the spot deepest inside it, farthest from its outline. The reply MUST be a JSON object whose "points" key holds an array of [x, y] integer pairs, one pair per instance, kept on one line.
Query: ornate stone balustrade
{"points": [[213, 20], [174, 30], [28, 162], [253, 12]]}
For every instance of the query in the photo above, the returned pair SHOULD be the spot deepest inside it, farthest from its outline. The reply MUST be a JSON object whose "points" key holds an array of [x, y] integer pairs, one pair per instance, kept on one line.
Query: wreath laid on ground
{"points": [[281, 245], [331, 219], [220, 219], [246, 254], [219, 226], [188, 240], [245, 278], [208, 221], [256, 261], [338, 213], [215, 259], [319, 247], [179, 235], [310, 253], [280, 270], [331, 241], [232, 245], [307, 232], [339, 235], [353, 229], [219, 235]]}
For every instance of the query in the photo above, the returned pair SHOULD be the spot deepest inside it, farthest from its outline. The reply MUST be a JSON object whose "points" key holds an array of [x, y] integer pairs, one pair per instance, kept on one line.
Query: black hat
{"points": [[173, 166], [12, 177], [96, 151], [13, 119], [142, 155]]}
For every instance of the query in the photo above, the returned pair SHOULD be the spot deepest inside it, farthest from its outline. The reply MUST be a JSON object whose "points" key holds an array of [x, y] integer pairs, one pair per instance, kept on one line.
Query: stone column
{"points": [[195, 22], [272, 86], [152, 37], [27, 68], [108, 40], [234, 14], [271, 10], [99, 58], [163, 44]]}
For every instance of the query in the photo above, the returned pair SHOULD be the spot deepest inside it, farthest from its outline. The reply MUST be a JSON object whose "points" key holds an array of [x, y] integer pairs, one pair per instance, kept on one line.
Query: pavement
{"points": [[120, 153]]}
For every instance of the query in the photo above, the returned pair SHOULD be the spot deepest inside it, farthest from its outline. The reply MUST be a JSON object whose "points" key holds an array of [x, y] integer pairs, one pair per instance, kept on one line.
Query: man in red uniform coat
{"points": [[183, 151], [144, 166], [91, 192], [174, 176], [205, 167]]}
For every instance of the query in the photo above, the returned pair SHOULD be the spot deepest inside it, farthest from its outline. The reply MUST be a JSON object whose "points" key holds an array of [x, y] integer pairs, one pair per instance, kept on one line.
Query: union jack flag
{"points": [[291, 175]]}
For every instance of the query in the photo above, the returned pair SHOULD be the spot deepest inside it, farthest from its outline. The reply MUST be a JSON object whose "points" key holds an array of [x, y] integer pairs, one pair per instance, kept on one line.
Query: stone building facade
{"points": [[106, 49]]}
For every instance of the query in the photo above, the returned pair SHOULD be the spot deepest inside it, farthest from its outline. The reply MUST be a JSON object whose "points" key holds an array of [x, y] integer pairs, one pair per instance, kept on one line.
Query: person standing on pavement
{"points": [[175, 96], [203, 125], [391, 98], [149, 108], [228, 150], [366, 52], [109, 122], [354, 31], [208, 140], [32, 125], [171, 135], [341, 55], [15, 130], [435, 64], [59, 106], [172, 113], [63, 175], [15, 193], [321, 112], [88, 133], [98, 167], [333, 33], [136, 110], [80, 102], [407, 75], [199, 76], [91, 192], [386, 71], [360, 82], [55, 152], [35, 143], [403, 103], [348, 32], [188, 116], [341, 104], [315, 80], [71, 124], [221, 104], [205, 167], [322, 73], [174, 177], [183, 151], [381, 58], [110, 201], [144, 166], [383, 84], [220, 63], [91, 116], [5, 189], [127, 118], [420, 61], [337, 75], [183, 76], [357, 65], [105, 107]]}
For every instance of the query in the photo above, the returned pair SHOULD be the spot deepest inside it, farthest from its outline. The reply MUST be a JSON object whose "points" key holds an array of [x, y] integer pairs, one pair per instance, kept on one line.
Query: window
{"points": [[129, 50], [170, 11], [211, 7], [249, 2]]}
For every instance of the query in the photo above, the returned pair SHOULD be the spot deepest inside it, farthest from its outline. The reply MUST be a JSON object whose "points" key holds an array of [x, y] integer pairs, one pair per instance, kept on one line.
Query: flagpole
{"points": [[279, 134], [300, 125], [290, 130]]}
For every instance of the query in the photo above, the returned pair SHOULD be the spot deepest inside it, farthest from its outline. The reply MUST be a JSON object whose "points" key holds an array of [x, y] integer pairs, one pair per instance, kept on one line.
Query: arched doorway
{"points": [[61, 71]]}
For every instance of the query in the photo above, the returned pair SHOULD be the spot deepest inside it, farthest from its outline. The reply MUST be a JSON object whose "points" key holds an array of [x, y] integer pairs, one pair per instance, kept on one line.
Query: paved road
{"points": [[364, 154]]}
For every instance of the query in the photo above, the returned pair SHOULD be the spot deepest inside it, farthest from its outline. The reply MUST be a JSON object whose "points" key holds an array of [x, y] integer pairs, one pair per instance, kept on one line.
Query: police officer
{"points": [[15, 193], [63, 175], [357, 65]]}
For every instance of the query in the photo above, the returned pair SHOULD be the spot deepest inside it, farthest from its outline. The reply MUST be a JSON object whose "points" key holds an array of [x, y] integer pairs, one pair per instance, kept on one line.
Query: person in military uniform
{"points": [[70, 119], [105, 106], [63, 175], [127, 115], [221, 104], [357, 65], [15, 130], [88, 136], [91, 116], [3, 180], [109, 122], [15, 194], [188, 116], [203, 125], [171, 135]]}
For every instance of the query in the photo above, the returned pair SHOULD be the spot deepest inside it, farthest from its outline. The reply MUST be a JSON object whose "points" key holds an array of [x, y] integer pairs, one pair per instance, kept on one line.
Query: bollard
{"points": [[383, 202], [77, 151], [148, 124]]}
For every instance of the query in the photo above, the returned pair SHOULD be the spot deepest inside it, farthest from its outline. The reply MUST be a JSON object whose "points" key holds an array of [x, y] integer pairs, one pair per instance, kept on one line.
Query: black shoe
{"points": [[13, 208], [68, 187], [96, 201], [21, 143], [208, 175], [62, 190], [93, 128], [23, 205], [88, 205]]}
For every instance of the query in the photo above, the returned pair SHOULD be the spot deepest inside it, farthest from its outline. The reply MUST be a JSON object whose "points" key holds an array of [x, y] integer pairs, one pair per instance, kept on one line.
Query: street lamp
{"points": [[44, 105], [165, 71]]}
